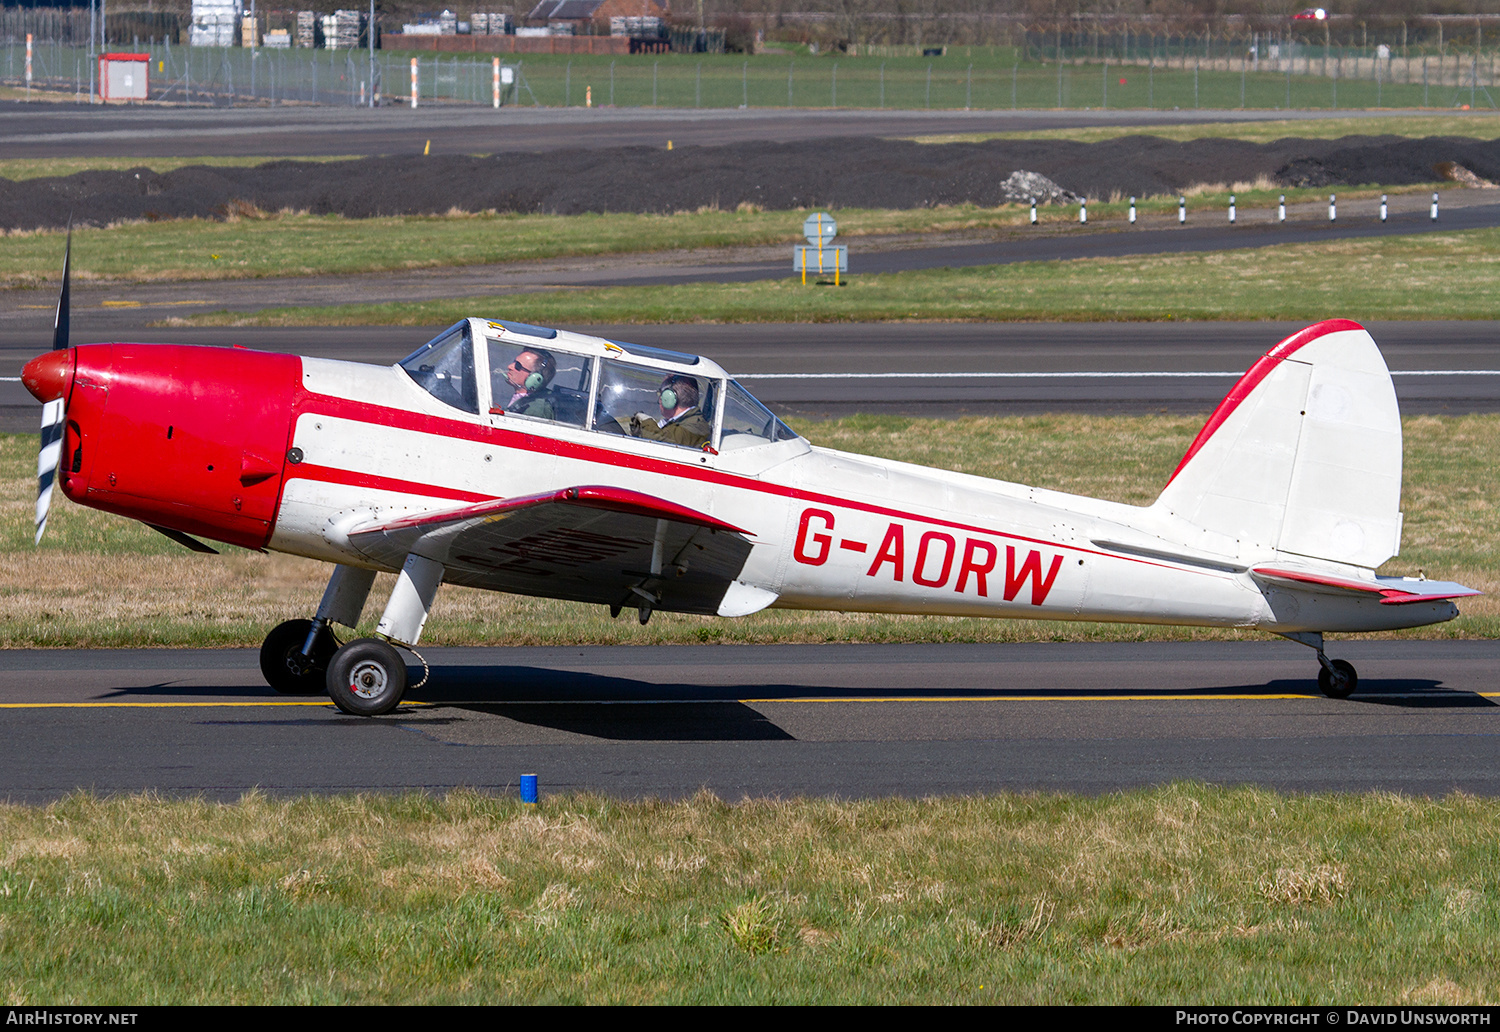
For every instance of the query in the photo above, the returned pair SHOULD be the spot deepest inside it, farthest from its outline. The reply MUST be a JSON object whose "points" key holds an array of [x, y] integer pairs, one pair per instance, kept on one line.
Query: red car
{"points": [[1310, 14]]}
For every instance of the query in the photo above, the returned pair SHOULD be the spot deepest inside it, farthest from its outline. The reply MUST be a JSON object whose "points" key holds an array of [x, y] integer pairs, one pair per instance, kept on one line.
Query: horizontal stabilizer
{"points": [[1393, 591]]}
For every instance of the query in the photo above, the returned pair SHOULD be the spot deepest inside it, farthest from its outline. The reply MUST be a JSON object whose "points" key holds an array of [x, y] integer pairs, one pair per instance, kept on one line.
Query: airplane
{"points": [[539, 461]]}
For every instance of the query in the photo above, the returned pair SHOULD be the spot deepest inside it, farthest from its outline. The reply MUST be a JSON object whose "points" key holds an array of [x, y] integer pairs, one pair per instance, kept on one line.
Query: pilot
{"points": [[681, 422], [529, 373]]}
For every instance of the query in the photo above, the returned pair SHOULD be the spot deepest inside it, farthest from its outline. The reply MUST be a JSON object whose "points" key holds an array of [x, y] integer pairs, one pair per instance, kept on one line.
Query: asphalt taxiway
{"points": [[928, 369], [780, 720], [65, 130]]}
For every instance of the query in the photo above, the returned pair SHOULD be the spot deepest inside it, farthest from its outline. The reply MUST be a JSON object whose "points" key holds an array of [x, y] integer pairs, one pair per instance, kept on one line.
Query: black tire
{"points": [[286, 669], [1340, 684], [366, 678]]}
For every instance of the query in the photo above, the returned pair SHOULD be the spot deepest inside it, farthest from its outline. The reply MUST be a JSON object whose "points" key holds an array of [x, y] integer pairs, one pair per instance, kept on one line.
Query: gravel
{"points": [[835, 173]]}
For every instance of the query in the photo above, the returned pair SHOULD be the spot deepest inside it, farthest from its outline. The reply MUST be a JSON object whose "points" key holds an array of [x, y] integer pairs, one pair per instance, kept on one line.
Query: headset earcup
{"points": [[668, 398], [534, 381]]}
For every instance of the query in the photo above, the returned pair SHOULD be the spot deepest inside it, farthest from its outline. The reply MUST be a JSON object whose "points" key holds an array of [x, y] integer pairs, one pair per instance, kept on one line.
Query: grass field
{"points": [[1183, 894], [253, 244], [1424, 276], [1479, 125], [278, 244], [993, 78], [100, 580], [980, 79]]}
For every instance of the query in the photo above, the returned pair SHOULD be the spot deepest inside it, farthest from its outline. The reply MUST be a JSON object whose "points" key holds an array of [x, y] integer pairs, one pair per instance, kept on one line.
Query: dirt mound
{"points": [[835, 173]]}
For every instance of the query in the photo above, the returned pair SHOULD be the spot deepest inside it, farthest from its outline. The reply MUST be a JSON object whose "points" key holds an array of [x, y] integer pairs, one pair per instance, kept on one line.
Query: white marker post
{"points": [[1132, 211], [1231, 209], [497, 83], [1033, 210], [1281, 209], [1434, 206], [1181, 209], [1382, 208], [1333, 209], [414, 82], [1083, 210]]}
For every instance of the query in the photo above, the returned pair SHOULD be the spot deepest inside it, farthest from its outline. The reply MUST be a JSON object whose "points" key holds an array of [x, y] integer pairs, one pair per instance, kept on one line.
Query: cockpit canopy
{"points": [[523, 372]]}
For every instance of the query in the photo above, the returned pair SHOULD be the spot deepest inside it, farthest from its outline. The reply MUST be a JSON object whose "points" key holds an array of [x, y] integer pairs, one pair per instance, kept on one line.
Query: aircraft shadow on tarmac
{"points": [[628, 709], [623, 708]]}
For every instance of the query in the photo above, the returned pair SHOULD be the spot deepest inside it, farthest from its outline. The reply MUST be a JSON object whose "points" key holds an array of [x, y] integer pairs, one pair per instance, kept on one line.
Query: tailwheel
{"points": [[284, 665], [1337, 679], [367, 678]]}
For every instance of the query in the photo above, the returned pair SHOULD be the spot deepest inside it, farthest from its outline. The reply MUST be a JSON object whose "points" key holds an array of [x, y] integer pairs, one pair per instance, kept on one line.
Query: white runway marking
{"points": [[1098, 375]]}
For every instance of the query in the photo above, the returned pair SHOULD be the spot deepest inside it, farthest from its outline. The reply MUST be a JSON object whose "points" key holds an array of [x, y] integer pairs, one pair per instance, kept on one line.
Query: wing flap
{"points": [[596, 544]]}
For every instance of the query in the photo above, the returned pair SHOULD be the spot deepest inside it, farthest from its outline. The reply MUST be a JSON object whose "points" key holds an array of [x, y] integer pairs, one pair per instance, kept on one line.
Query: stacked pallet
{"points": [[341, 30], [307, 29], [216, 23]]}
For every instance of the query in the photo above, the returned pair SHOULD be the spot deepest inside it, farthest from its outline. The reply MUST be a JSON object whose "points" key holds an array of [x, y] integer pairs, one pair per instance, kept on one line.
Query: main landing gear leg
{"points": [[368, 677], [295, 655], [1337, 678]]}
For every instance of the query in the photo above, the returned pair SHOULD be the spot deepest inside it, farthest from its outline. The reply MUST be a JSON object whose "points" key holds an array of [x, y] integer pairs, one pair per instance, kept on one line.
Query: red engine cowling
{"points": [[191, 438]]}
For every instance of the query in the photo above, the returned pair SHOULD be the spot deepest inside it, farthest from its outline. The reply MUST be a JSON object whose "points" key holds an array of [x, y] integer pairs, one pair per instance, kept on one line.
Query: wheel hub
{"points": [[368, 680]]}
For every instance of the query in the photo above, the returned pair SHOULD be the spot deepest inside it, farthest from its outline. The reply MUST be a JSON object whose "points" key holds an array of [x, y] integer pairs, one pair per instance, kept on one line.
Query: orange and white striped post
{"points": [[497, 82], [28, 65], [414, 82]]}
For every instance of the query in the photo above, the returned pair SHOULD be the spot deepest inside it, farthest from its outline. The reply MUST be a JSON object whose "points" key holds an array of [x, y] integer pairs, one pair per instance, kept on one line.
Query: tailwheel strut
{"points": [[1337, 678]]}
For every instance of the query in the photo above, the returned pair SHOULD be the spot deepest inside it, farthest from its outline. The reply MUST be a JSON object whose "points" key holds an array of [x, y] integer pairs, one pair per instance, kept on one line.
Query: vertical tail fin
{"points": [[1304, 454]]}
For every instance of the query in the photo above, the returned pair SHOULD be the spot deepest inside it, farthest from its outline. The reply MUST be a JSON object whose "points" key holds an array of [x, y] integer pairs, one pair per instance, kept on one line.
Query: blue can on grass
{"points": [[528, 789]]}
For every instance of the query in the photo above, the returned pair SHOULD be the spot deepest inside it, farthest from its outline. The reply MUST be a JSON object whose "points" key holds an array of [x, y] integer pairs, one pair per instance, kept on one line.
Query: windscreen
{"points": [[444, 368], [747, 422]]}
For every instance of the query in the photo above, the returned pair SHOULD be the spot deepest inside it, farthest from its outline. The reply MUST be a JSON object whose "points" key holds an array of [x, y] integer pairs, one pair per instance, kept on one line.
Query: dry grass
{"points": [[1181, 894]]}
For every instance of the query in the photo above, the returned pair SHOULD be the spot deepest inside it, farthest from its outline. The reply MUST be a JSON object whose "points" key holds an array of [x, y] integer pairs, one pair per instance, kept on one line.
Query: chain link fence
{"points": [[1124, 70]]}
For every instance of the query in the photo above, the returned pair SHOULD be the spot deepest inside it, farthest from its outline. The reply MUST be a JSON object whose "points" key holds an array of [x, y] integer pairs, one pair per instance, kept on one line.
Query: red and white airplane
{"points": [[543, 462]]}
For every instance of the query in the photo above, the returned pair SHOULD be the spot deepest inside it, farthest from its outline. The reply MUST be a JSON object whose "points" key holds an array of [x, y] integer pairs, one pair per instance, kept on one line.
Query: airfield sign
{"points": [[820, 229]]}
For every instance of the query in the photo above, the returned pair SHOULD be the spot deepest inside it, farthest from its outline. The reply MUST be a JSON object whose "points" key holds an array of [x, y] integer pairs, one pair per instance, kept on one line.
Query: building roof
{"points": [[587, 10], [566, 9]]}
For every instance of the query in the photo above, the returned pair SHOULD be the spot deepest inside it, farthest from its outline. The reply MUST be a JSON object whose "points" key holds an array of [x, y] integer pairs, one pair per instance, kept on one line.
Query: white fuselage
{"points": [[829, 530]]}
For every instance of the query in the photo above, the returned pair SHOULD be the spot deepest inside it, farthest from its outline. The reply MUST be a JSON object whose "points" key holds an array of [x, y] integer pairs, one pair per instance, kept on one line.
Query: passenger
{"points": [[681, 420], [529, 374]]}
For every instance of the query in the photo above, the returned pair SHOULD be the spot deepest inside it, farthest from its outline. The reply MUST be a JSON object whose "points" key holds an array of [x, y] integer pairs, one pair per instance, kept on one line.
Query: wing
{"points": [[1393, 591], [587, 544]]}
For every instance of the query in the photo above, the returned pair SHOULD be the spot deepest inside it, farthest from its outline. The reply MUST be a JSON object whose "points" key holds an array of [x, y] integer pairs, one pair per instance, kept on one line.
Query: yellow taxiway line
{"points": [[325, 703]]}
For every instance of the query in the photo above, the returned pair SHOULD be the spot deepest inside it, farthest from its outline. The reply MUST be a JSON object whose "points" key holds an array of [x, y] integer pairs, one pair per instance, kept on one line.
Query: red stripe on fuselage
{"points": [[402, 419]]}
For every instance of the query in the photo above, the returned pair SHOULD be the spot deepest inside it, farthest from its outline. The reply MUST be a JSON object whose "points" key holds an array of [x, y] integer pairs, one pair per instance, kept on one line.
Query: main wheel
{"points": [[366, 678], [1341, 682], [285, 667]]}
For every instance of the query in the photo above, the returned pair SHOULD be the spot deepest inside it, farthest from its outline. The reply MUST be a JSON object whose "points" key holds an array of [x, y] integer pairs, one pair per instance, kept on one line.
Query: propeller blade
{"points": [[47, 461], [60, 320]]}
